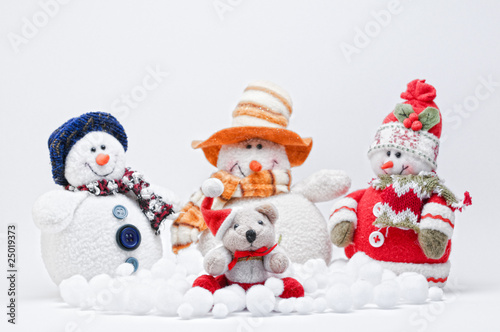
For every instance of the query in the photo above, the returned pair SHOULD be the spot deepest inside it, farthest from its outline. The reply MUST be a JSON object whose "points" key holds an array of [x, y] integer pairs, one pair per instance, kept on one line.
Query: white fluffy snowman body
{"points": [[302, 227], [87, 234]]}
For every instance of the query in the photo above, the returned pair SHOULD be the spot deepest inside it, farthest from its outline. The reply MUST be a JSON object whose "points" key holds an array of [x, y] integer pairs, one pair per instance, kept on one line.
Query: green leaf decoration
{"points": [[429, 118], [403, 111]]}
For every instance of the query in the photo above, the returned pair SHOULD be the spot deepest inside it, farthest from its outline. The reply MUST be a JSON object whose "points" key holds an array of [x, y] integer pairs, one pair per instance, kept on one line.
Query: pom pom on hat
{"points": [[212, 187], [63, 138]]}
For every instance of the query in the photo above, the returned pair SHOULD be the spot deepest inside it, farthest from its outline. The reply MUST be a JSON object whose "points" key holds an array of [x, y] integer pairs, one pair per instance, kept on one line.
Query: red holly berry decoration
{"points": [[413, 117], [407, 123], [416, 126]]}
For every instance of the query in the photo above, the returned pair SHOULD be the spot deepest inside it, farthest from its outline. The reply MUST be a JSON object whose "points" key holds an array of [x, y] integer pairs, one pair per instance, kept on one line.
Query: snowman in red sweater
{"points": [[405, 219]]}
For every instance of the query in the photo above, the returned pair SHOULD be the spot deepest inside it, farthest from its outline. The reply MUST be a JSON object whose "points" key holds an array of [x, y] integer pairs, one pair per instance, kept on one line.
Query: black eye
{"points": [[235, 226], [93, 149], [103, 147], [261, 222], [388, 153], [249, 146], [259, 146], [398, 154]]}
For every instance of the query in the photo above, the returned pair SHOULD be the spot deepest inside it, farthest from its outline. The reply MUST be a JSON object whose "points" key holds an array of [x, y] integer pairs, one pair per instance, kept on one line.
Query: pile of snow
{"points": [[166, 289]]}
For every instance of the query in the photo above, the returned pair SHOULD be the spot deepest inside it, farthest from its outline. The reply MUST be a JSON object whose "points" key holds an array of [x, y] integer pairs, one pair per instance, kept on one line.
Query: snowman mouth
{"points": [[403, 168], [102, 175], [241, 171]]}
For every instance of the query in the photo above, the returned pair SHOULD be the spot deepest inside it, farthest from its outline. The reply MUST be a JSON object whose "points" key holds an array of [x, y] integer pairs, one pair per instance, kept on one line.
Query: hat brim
{"points": [[297, 148]]}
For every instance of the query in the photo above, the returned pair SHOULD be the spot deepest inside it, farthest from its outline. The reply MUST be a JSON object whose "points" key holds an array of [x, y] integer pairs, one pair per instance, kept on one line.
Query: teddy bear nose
{"points": [[251, 235]]}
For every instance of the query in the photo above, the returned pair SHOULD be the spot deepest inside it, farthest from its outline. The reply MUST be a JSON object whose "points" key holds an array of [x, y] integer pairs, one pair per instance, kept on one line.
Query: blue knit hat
{"points": [[64, 137]]}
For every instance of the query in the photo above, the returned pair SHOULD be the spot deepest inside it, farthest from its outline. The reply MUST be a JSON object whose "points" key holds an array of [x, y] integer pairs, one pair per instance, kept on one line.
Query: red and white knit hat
{"points": [[218, 221], [414, 126]]}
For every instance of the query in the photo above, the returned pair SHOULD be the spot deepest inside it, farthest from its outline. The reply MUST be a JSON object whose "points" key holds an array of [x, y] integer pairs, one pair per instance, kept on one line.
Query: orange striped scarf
{"points": [[259, 184]]}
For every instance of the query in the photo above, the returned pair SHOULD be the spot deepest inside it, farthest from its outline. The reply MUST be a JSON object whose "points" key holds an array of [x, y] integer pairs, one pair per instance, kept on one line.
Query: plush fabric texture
{"points": [[63, 138], [260, 184], [217, 220], [151, 204], [324, 185], [399, 130], [292, 288], [263, 112], [79, 234]]}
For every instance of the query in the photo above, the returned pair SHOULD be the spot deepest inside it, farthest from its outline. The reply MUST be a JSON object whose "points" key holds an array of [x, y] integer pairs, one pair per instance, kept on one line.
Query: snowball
{"points": [[191, 278], [75, 291], [260, 300], [322, 280], [339, 298], [185, 311], [315, 266], [285, 306], [362, 293], [212, 187], [114, 300], [180, 271], [371, 272], [388, 275], [310, 285], [163, 269], [200, 300], [435, 293], [220, 310], [124, 269], [338, 264], [340, 277], [275, 285], [167, 300], [320, 304], [233, 297], [359, 259], [180, 284], [414, 288], [138, 298], [304, 305], [191, 259], [386, 294]]}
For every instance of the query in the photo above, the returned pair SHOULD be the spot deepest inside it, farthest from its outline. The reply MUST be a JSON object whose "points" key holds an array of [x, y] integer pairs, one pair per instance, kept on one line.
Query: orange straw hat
{"points": [[263, 112]]}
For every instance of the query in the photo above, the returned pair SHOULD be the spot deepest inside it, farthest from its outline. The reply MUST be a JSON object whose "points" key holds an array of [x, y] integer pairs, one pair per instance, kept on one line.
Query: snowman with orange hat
{"points": [[405, 219], [254, 157]]}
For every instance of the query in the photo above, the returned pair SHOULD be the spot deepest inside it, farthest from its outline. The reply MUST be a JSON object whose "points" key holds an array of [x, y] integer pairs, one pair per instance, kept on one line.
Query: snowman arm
{"points": [[168, 197], [53, 211], [345, 209], [437, 215], [323, 186]]}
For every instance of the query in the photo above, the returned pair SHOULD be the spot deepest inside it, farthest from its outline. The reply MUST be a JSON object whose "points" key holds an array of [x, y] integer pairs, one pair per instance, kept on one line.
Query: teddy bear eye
{"points": [[261, 222], [93, 149], [398, 154], [235, 226]]}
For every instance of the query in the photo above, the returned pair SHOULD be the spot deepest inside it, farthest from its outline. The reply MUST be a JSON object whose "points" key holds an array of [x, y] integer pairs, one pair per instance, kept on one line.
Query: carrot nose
{"points": [[102, 159], [388, 164], [255, 166]]}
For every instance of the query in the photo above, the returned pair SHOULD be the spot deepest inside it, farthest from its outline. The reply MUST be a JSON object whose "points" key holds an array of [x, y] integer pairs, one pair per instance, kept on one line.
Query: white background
{"points": [[89, 54]]}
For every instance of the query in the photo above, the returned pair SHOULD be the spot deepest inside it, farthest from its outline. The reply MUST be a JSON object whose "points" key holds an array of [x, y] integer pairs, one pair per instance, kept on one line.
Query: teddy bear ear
{"points": [[269, 210]]}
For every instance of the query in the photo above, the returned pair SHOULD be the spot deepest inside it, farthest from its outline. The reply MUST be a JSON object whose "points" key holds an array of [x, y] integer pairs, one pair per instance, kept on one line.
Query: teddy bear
{"points": [[248, 252], [405, 219], [254, 158], [107, 217]]}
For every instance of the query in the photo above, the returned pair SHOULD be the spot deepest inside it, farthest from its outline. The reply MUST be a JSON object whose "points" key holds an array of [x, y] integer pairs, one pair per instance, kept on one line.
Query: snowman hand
{"points": [[342, 234], [433, 243]]}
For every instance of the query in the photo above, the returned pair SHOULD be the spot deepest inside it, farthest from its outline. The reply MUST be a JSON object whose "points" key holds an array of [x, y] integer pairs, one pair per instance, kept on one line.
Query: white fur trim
{"points": [[226, 224], [436, 212], [435, 271], [342, 211], [395, 135]]}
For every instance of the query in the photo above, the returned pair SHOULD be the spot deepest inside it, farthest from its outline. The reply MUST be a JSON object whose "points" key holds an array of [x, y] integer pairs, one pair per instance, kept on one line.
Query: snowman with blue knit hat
{"points": [[108, 217]]}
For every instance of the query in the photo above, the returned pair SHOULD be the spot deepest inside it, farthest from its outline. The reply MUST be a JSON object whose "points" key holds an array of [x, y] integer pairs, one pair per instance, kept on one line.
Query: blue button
{"points": [[120, 212], [134, 262], [128, 237]]}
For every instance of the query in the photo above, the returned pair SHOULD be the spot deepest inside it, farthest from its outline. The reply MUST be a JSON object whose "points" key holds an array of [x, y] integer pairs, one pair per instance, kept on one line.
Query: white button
{"points": [[376, 239], [376, 209]]}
